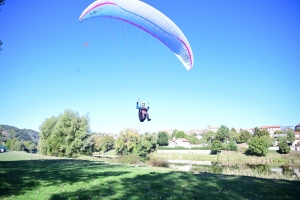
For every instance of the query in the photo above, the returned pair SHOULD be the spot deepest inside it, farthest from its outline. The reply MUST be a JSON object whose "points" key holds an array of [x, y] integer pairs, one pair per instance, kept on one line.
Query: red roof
{"points": [[183, 139]]}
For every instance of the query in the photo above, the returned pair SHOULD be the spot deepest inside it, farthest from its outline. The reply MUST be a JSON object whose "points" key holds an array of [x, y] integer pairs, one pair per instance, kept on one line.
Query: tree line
{"points": [[69, 135]]}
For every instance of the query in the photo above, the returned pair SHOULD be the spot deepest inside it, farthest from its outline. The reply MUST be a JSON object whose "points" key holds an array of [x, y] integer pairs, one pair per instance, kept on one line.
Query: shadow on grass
{"points": [[182, 185], [17, 177], [106, 181]]}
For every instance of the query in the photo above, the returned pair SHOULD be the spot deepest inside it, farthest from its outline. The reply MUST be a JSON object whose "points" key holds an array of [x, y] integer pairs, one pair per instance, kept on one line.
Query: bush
{"points": [[216, 146], [284, 147], [131, 159], [157, 162], [259, 145], [232, 146]]}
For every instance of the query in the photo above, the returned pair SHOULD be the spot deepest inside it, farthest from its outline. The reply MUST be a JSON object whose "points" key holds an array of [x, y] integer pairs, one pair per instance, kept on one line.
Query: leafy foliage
{"points": [[216, 146], [162, 139], [65, 136], [284, 147], [290, 136], [260, 133], [146, 146], [244, 137], [126, 142], [106, 143], [222, 133], [232, 146], [259, 145], [192, 139], [208, 136], [180, 134]]}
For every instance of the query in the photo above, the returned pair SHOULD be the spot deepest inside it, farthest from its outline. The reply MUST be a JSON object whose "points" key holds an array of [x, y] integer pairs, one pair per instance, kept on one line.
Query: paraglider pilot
{"points": [[143, 111]]}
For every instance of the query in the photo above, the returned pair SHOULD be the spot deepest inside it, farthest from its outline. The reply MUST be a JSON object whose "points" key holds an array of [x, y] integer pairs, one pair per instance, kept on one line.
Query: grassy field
{"points": [[237, 157], [30, 176]]}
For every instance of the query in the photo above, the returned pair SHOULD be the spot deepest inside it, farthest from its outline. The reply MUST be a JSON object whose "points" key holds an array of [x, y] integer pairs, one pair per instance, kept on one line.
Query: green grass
{"points": [[235, 157], [41, 177]]}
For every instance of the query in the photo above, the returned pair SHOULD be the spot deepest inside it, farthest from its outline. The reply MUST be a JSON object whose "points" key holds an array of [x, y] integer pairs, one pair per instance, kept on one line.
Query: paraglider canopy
{"points": [[148, 19]]}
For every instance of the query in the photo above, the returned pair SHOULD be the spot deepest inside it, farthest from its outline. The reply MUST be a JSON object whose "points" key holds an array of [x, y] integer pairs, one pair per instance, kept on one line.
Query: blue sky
{"points": [[246, 70]]}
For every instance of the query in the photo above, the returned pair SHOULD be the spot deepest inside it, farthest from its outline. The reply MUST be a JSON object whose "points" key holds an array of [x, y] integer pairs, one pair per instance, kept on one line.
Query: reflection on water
{"points": [[259, 170]]}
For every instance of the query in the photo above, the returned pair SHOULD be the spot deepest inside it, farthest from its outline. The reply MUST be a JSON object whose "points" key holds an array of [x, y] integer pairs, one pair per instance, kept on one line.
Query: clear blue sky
{"points": [[246, 71]]}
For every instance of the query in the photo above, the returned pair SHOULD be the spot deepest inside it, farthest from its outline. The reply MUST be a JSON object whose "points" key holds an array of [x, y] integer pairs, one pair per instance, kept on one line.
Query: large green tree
{"points": [[290, 136], [244, 137], [180, 134], [146, 145], [284, 147], [66, 135], [162, 139], [127, 141], [208, 136], [259, 145], [107, 143], [222, 133], [216, 146]]}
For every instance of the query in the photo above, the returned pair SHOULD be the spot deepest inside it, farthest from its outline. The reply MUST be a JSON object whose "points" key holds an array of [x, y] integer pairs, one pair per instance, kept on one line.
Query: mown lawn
{"points": [[42, 177]]}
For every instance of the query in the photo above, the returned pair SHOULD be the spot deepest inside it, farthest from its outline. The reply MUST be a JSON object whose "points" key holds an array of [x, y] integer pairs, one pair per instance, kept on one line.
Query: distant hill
{"points": [[22, 134]]}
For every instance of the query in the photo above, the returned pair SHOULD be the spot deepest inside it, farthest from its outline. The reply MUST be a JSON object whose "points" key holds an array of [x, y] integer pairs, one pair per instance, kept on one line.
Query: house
{"points": [[182, 142], [171, 143], [271, 129], [214, 129], [179, 142], [297, 134]]}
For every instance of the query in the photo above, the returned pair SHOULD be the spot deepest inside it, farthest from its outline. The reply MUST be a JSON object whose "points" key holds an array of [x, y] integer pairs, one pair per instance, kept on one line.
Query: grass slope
{"points": [[52, 178]]}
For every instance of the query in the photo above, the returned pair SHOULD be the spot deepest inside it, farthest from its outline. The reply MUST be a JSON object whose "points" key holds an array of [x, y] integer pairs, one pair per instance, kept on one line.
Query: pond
{"points": [[286, 172]]}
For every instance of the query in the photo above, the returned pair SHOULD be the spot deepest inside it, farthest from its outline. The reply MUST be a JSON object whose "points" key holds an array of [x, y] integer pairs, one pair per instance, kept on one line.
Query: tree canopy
{"points": [[162, 139], [66, 135], [222, 133]]}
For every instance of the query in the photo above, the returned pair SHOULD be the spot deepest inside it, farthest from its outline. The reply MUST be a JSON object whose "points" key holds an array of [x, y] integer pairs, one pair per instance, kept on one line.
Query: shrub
{"points": [[157, 162], [284, 147], [216, 146], [132, 159], [232, 146], [259, 145]]}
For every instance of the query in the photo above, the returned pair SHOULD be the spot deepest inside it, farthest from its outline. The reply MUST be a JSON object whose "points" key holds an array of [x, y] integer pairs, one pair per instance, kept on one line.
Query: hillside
{"points": [[10, 132]]}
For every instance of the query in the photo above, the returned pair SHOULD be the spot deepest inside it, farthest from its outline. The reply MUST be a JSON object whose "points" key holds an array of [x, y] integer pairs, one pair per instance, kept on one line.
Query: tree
{"points": [[146, 145], [162, 139], [207, 137], [233, 135], [216, 146], [107, 143], [259, 145], [97, 145], [66, 135], [126, 142], [232, 146], [244, 137], [264, 132], [32, 148], [290, 136], [256, 131], [222, 133], [180, 134], [192, 139], [284, 147]]}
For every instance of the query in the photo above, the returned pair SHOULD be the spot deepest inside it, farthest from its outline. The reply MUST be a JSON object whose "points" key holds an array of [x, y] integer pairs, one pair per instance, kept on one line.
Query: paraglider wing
{"points": [[146, 18]]}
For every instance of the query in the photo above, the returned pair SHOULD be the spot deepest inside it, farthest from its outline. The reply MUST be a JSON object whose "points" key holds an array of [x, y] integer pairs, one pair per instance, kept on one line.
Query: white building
{"points": [[180, 142]]}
